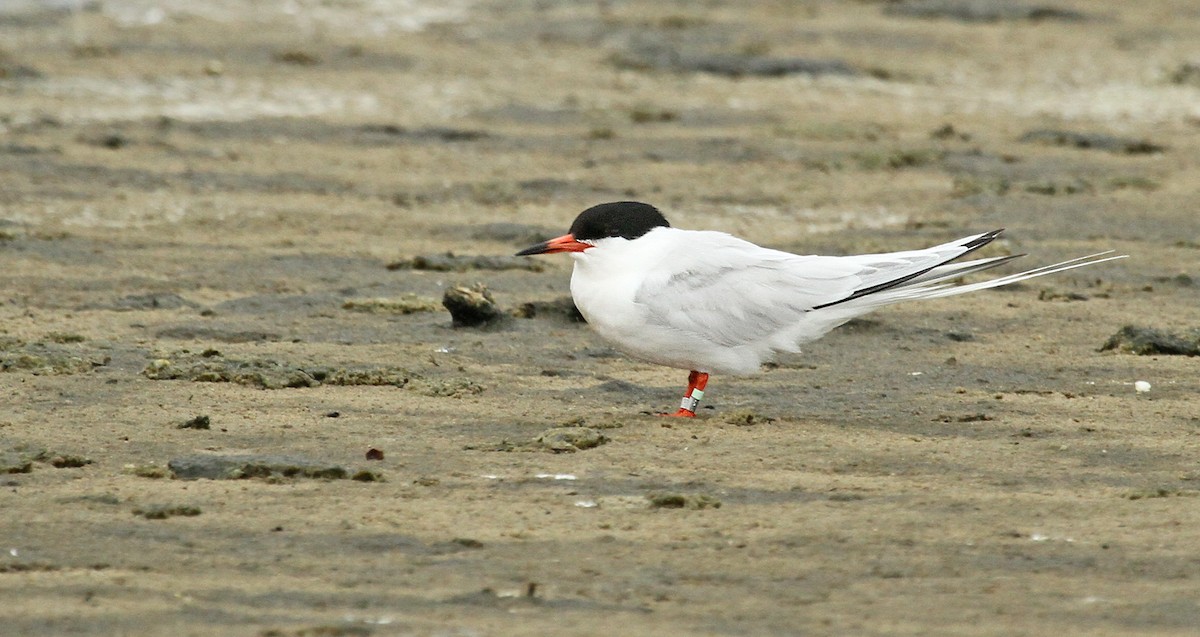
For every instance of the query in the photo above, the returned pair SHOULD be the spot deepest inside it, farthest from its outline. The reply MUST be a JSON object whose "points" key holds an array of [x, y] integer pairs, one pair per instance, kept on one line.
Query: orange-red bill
{"points": [[565, 243]]}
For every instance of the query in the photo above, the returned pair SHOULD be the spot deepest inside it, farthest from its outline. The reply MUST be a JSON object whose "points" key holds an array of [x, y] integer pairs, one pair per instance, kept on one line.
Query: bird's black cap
{"points": [[625, 219]]}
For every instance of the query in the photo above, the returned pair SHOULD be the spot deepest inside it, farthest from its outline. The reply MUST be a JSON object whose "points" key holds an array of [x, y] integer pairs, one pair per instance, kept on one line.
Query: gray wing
{"points": [[737, 293]]}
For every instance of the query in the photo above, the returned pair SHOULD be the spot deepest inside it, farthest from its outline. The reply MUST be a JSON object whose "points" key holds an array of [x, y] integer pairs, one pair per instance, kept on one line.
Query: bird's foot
{"points": [[680, 413]]}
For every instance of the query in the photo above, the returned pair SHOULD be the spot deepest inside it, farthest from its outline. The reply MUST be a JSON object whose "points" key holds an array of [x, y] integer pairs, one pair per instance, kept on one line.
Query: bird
{"points": [[711, 303]]}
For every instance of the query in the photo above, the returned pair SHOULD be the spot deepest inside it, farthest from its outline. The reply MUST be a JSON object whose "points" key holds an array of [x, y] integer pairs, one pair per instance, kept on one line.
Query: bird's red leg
{"points": [[697, 381]]}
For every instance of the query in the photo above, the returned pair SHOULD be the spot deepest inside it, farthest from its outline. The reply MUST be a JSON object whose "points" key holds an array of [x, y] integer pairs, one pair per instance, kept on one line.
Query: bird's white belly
{"points": [[610, 309]]}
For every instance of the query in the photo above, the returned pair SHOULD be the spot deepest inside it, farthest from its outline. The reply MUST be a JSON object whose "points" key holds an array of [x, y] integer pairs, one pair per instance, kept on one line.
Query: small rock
{"points": [[471, 306], [68, 461], [374, 454], [570, 439], [238, 467], [199, 422], [1148, 341], [748, 419], [682, 501], [164, 511]]}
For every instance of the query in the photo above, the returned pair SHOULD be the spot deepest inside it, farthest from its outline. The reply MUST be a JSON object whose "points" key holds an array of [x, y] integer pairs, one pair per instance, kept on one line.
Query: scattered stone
{"points": [[748, 419], [164, 511], [562, 308], [374, 454], [471, 306], [450, 388], [263, 373], [410, 304], [199, 422], [1098, 141], [1148, 341], [273, 374], [569, 439], [67, 461], [48, 359], [972, 11], [240, 467], [965, 418], [682, 501], [451, 262], [20, 459], [369, 377]]}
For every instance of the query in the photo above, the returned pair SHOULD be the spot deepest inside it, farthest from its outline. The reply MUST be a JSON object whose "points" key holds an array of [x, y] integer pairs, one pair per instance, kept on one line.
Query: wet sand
{"points": [[199, 208]]}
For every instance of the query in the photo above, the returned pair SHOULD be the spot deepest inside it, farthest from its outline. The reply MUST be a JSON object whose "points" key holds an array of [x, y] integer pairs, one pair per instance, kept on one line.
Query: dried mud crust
{"points": [[226, 236]]}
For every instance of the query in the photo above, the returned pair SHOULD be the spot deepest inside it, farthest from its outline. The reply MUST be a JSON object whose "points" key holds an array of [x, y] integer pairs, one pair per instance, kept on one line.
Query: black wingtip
{"points": [[971, 246], [983, 239]]}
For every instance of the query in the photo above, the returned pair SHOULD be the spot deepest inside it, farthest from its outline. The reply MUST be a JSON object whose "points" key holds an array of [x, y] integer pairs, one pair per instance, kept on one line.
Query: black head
{"points": [[625, 219]]}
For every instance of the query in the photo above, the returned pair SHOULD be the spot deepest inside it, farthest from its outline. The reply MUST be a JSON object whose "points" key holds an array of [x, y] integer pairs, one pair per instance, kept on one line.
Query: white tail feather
{"points": [[930, 286]]}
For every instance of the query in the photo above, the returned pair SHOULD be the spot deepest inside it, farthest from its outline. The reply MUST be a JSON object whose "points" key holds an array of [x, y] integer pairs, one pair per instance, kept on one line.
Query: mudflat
{"points": [[233, 402]]}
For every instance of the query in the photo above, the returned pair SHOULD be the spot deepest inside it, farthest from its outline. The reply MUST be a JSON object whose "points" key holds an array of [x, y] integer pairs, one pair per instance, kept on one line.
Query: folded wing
{"points": [[740, 293]]}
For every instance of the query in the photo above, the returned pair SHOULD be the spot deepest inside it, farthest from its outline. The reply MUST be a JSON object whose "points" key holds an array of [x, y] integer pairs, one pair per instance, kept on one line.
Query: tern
{"points": [[711, 303]]}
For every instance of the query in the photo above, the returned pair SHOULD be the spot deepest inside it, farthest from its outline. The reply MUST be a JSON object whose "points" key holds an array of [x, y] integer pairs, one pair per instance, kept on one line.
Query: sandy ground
{"points": [[192, 195]]}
